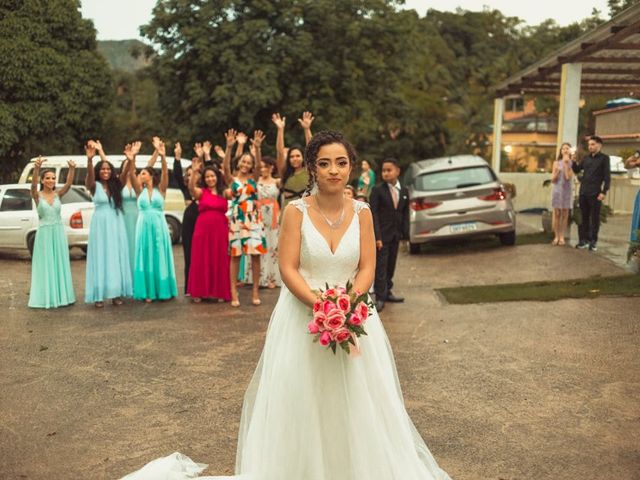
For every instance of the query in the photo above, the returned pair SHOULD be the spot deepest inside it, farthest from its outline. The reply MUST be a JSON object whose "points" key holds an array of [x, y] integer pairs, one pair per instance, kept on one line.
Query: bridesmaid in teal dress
{"points": [[154, 276], [108, 270], [51, 284], [129, 197]]}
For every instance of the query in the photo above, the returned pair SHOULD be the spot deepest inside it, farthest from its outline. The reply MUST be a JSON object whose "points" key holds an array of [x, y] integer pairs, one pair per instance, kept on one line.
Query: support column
{"points": [[498, 111], [568, 113]]}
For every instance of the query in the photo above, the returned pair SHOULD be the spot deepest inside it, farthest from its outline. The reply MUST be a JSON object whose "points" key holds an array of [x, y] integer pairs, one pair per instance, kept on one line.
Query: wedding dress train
{"points": [[309, 414]]}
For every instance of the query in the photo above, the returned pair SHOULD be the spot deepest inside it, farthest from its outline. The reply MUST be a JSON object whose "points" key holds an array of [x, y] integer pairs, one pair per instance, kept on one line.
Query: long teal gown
{"points": [[154, 275], [51, 284], [108, 268], [130, 208]]}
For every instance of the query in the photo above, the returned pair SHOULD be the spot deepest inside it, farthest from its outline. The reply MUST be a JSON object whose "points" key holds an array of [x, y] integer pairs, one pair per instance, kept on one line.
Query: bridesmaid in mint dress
{"points": [[129, 197], [51, 284], [154, 276], [108, 270]]}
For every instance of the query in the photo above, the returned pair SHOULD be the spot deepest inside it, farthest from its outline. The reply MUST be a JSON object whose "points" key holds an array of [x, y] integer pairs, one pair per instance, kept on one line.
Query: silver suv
{"points": [[458, 196]]}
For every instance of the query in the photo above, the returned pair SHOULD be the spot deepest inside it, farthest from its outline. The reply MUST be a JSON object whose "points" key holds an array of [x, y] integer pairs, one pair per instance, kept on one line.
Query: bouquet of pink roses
{"points": [[338, 317]]}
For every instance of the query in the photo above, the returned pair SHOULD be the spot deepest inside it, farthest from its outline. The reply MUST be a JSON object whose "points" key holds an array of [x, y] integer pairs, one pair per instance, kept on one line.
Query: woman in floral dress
{"points": [[246, 230]]}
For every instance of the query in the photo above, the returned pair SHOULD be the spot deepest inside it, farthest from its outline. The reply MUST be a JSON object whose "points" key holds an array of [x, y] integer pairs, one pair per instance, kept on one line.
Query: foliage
{"points": [[124, 55], [616, 6], [54, 86]]}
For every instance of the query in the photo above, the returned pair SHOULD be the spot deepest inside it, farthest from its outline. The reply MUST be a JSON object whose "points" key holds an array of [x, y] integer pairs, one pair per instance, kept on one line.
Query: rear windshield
{"points": [[81, 173], [452, 179], [75, 195]]}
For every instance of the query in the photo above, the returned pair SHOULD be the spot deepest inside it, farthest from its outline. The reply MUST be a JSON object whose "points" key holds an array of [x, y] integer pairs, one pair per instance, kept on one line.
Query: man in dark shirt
{"points": [[594, 185]]}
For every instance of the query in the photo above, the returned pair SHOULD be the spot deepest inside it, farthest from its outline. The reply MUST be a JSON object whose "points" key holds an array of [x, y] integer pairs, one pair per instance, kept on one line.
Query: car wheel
{"points": [[31, 240], [508, 238], [414, 248], [174, 229]]}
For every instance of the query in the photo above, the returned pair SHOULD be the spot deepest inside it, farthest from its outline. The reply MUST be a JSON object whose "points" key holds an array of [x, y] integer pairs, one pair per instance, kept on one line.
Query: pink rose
{"points": [[332, 292], [341, 335], [317, 306], [313, 328], [355, 319], [344, 303], [335, 319], [362, 310], [342, 290], [325, 339], [319, 318], [327, 306]]}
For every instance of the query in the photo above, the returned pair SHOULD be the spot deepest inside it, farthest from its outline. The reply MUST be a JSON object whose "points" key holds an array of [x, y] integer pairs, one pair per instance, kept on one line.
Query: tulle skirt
{"points": [[311, 415]]}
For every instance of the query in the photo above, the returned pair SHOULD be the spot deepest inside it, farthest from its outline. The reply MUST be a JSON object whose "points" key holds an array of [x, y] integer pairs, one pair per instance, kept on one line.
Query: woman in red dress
{"points": [[209, 272]]}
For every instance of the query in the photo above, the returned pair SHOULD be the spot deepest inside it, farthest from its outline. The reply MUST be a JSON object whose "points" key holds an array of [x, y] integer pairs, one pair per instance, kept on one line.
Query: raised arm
{"points": [[164, 176], [90, 179], [289, 256], [70, 176], [633, 161], [305, 122], [226, 163], [241, 138], [35, 177], [256, 142], [103, 156], [206, 151], [194, 190], [280, 152], [131, 170]]}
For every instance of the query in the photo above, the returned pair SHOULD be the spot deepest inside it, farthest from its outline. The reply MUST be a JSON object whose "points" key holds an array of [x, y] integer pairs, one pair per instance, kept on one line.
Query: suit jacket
{"points": [[389, 223]]}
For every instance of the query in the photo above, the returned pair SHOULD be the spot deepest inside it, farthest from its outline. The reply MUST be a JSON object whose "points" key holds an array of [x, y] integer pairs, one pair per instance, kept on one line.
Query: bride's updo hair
{"points": [[320, 139]]}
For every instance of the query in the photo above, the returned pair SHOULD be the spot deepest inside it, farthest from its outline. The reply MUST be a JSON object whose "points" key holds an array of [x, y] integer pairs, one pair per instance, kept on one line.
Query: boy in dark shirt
{"points": [[594, 186]]}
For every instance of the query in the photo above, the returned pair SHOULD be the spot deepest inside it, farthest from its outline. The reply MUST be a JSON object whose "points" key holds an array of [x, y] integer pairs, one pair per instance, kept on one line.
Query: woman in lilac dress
{"points": [[561, 193]]}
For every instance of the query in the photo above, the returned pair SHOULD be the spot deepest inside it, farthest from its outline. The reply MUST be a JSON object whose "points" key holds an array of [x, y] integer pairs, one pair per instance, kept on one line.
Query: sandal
{"points": [[256, 302], [117, 301], [99, 304], [235, 303], [147, 300], [555, 241], [561, 242], [196, 299]]}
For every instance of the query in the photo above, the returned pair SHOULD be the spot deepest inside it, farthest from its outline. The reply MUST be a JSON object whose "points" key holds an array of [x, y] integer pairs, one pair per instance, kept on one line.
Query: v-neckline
{"points": [[47, 201], [333, 253]]}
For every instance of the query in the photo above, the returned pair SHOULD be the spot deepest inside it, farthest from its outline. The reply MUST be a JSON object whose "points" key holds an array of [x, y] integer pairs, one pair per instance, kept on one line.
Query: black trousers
{"points": [[385, 268], [188, 226], [590, 209]]}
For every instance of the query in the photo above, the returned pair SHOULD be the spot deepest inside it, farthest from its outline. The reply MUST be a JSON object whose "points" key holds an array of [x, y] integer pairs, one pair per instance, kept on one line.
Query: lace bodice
{"points": [[318, 265], [49, 214]]}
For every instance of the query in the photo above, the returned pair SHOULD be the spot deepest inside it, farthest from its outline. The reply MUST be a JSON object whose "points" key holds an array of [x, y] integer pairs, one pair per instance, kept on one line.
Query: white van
{"points": [[174, 201]]}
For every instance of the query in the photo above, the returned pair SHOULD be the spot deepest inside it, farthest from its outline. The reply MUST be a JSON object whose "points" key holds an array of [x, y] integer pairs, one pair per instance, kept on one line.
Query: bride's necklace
{"points": [[332, 225]]}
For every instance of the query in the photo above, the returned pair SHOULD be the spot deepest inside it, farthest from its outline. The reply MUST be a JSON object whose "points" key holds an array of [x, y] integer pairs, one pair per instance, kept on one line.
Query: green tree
{"points": [[616, 6], [54, 87], [232, 63]]}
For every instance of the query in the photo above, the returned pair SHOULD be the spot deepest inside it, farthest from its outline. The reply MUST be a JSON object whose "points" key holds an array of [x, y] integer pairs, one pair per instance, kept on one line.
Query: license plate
{"points": [[464, 227]]}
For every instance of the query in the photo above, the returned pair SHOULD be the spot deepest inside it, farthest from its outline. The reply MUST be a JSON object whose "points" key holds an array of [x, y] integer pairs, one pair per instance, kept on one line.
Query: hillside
{"points": [[120, 54]]}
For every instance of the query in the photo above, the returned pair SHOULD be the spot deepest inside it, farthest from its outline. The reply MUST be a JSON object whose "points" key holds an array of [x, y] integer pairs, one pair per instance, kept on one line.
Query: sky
{"points": [[121, 19]]}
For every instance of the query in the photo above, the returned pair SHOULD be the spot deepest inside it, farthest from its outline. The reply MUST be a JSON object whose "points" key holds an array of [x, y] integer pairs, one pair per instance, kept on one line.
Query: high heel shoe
{"points": [[235, 303], [256, 302]]}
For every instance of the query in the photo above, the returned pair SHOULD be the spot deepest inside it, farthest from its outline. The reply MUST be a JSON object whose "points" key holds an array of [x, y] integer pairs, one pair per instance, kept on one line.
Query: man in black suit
{"points": [[390, 208]]}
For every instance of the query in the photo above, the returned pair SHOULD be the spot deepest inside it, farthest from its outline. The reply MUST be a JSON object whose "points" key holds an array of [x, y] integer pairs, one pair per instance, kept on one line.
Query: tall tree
{"points": [[225, 63], [54, 87]]}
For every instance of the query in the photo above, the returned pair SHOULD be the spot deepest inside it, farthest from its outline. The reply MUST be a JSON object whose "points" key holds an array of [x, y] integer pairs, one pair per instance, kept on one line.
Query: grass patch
{"points": [[486, 242], [592, 287]]}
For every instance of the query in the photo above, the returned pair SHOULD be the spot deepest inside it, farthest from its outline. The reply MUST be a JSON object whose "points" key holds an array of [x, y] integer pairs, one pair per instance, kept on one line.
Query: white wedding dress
{"points": [[309, 414]]}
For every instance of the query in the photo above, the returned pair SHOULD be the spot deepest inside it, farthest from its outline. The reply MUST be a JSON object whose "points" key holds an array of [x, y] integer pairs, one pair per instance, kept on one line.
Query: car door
{"points": [[17, 217]]}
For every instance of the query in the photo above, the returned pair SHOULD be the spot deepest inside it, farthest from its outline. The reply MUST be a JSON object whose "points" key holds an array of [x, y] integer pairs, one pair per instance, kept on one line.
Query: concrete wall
{"points": [[618, 122], [531, 194]]}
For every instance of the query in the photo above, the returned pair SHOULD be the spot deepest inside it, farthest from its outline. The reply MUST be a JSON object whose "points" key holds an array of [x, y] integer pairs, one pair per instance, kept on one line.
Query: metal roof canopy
{"points": [[610, 58]]}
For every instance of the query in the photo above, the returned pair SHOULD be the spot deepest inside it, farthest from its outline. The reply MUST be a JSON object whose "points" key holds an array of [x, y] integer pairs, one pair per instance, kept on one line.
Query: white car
{"points": [[19, 217], [174, 200]]}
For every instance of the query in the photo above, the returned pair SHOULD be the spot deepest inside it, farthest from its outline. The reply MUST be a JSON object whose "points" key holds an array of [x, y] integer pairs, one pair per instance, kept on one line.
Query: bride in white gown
{"points": [[309, 414]]}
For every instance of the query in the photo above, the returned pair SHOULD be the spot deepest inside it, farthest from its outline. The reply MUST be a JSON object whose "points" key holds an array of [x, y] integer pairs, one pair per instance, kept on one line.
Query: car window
{"points": [[16, 199], [74, 195], [452, 179], [81, 173]]}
